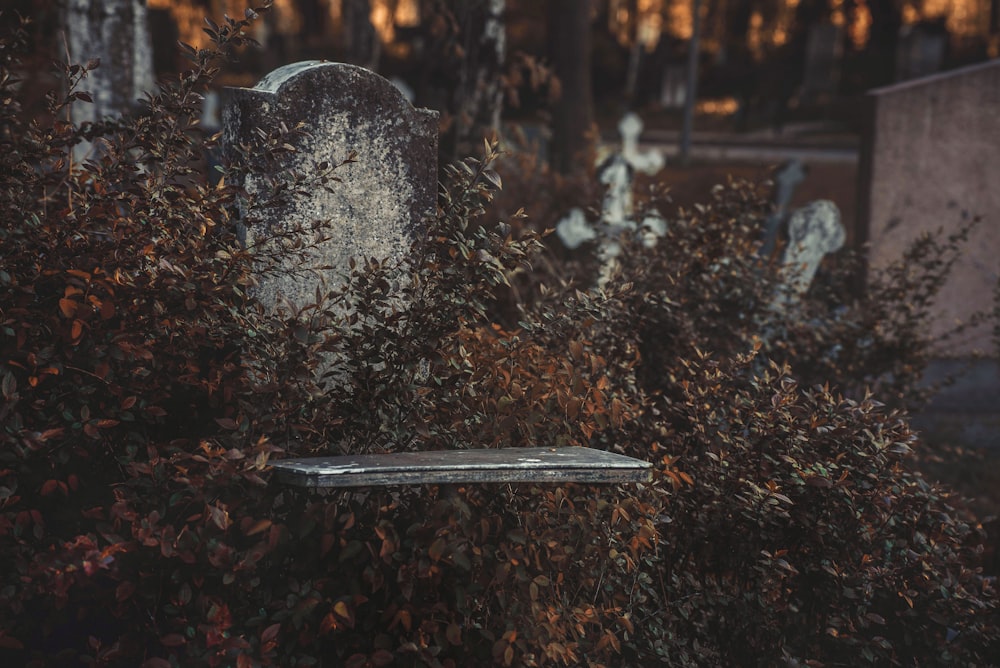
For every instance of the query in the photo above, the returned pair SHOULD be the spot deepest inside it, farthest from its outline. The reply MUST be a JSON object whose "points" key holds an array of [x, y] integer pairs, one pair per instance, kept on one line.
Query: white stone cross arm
{"points": [[648, 162]]}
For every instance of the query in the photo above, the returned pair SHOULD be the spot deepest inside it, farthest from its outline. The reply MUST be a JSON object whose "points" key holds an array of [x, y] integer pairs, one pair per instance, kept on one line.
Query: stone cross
{"points": [[616, 175], [617, 172], [630, 129], [116, 33], [379, 207], [787, 178], [813, 231]]}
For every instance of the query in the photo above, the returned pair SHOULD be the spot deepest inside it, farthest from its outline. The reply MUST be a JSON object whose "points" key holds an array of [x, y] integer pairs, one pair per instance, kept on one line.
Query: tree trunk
{"points": [[573, 115], [634, 52], [360, 41], [477, 100]]}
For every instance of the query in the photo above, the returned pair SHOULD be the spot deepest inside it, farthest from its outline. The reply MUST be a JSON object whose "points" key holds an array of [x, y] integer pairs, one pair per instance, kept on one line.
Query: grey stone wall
{"points": [[933, 152]]}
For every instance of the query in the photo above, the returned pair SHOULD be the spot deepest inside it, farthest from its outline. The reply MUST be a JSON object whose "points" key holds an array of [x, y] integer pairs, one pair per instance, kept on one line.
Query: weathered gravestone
{"points": [[384, 196], [814, 231], [377, 210], [114, 32]]}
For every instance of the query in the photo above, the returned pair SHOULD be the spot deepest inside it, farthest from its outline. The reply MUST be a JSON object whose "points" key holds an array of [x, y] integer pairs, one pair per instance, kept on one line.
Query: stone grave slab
{"points": [[570, 464]]}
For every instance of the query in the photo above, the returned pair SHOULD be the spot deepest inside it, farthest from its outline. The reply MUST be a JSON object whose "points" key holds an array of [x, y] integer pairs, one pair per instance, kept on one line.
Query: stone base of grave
{"points": [[967, 413]]}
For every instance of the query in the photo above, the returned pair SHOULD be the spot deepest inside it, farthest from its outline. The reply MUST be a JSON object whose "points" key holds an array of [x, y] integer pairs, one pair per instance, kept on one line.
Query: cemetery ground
{"points": [[950, 457], [152, 367]]}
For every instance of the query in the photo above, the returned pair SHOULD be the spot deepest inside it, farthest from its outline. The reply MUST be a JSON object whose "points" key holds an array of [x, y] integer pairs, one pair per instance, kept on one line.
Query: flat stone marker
{"points": [[570, 464], [378, 208]]}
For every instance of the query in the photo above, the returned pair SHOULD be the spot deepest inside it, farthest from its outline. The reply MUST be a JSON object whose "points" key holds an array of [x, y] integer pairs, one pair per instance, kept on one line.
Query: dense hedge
{"points": [[144, 392]]}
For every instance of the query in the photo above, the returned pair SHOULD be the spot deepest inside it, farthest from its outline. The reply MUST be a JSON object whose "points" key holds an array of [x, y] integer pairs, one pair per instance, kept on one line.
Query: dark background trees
{"points": [[608, 55], [570, 45]]}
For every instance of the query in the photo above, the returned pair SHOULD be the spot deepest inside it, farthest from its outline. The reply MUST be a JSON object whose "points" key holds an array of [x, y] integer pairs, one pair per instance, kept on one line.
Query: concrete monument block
{"points": [[379, 207], [929, 161]]}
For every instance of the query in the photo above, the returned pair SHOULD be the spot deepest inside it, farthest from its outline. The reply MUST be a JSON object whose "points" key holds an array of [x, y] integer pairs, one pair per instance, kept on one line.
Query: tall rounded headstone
{"points": [[379, 206]]}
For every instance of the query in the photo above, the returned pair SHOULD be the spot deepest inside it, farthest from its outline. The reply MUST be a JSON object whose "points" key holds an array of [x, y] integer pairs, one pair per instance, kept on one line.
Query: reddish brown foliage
{"points": [[145, 391]]}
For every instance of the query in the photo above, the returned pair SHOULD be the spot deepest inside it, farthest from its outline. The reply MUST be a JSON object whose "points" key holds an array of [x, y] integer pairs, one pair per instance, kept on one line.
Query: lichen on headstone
{"points": [[378, 207]]}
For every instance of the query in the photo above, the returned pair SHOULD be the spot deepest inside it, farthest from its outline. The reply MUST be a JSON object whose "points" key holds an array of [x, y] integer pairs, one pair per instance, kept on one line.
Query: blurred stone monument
{"points": [[929, 162], [673, 86], [824, 51], [920, 50], [115, 33], [617, 172]]}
